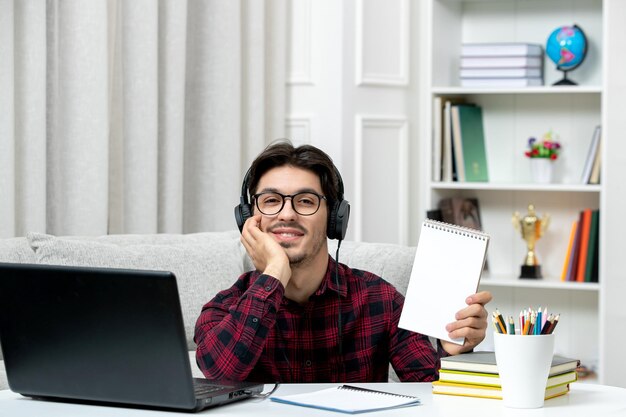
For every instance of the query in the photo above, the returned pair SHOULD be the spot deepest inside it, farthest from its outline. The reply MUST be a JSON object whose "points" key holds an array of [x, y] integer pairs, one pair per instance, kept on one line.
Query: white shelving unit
{"points": [[510, 117]]}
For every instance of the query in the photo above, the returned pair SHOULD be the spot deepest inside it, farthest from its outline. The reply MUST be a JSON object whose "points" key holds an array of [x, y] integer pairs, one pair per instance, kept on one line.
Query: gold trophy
{"points": [[532, 228]]}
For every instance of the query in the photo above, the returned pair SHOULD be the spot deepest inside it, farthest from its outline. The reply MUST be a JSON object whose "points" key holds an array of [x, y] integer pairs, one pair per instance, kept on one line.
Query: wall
{"points": [[352, 90]]}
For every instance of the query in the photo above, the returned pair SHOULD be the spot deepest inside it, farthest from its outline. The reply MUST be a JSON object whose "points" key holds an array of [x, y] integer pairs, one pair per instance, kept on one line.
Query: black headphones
{"points": [[338, 215]]}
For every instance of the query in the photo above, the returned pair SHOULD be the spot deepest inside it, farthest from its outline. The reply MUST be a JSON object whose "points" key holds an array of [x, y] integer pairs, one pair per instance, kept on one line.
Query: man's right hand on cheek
{"points": [[266, 254]]}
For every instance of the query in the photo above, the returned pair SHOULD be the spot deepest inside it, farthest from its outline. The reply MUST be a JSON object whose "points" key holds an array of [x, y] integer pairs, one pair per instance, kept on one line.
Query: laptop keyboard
{"points": [[203, 388]]}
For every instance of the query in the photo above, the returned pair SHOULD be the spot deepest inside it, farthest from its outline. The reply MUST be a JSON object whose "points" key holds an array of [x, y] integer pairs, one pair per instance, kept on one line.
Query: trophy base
{"points": [[531, 272]]}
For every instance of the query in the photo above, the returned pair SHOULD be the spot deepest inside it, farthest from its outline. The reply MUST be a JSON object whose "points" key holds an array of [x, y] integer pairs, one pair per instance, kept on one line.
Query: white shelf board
{"points": [[518, 90], [579, 188], [539, 284]]}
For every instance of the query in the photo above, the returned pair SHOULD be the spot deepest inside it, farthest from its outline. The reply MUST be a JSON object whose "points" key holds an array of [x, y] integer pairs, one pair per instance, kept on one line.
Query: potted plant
{"points": [[542, 155]]}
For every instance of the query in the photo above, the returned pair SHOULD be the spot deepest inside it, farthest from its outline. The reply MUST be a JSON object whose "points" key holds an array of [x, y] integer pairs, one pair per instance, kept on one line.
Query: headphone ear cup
{"points": [[332, 221], [242, 213], [338, 220]]}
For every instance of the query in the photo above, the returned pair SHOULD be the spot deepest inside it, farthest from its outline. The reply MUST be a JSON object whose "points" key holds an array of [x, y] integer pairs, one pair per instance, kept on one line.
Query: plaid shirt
{"points": [[251, 331]]}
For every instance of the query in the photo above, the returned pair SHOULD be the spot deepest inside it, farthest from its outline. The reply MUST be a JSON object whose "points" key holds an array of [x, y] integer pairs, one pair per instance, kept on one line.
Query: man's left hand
{"points": [[471, 324]]}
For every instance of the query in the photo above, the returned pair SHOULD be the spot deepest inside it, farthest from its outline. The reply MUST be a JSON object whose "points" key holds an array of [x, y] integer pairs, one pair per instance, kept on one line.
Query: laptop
{"points": [[101, 335]]}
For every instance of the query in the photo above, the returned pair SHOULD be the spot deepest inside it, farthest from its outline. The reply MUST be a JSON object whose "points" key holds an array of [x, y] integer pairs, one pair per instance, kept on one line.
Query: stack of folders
{"points": [[475, 374], [501, 65]]}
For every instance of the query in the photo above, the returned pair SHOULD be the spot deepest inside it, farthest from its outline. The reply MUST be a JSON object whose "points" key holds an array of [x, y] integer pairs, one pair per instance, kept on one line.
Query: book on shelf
{"points": [[566, 264], [448, 170], [481, 391], [501, 73], [501, 82], [591, 155], [591, 267], [457, 145], [437, 152], [461, 211], [502, 62], [581, 259], [501, 49], [469, 143], [348, 399], [447, 158], [594, 178], [493, 380], [485, 362], [572, 262], [585, 225]]}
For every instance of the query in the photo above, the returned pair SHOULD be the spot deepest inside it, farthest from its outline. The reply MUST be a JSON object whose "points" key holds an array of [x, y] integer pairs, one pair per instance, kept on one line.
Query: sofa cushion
{"points": [[204, 264], [16, 250]]}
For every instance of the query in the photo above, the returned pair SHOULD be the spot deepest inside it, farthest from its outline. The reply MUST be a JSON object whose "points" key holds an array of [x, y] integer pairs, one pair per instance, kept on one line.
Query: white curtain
{"points": [[134, 116]]}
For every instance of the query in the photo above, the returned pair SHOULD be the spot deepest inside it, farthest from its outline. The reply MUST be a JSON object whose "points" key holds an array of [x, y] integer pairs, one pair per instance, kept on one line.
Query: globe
{"points": [[567, 47]]}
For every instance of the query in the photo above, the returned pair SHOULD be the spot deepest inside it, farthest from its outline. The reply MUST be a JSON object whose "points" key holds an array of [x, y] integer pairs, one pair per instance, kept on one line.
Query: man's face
{"points": [[302, 237]]}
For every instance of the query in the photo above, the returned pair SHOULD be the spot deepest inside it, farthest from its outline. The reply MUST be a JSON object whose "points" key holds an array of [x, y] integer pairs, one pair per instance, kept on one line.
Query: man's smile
{"points": [[287, 234]]}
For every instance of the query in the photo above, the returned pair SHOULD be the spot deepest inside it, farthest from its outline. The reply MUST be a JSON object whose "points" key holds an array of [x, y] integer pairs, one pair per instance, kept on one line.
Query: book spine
{"points": [[574, 255], [591, 249], [457, 141], [473, 142], [595, 171], [437, 139], [572, 235], [584, 244], [591, 156]]}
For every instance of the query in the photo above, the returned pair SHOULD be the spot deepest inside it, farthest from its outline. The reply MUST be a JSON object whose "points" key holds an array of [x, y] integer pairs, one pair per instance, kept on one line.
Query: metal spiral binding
{"points": [[456, 229], [371, 391]]}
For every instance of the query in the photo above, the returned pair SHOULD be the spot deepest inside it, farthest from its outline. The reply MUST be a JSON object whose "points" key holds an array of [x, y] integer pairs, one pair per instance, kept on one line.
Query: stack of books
{"points": [[501, 65], [475, 374]]}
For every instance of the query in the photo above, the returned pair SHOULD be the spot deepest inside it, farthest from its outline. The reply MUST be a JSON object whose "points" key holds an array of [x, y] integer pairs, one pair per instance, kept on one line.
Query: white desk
{"points": [[584, 400]]}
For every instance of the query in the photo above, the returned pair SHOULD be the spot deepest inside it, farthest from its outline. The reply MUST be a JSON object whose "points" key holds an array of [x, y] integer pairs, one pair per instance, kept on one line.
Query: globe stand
{"points": [[565, 80]]}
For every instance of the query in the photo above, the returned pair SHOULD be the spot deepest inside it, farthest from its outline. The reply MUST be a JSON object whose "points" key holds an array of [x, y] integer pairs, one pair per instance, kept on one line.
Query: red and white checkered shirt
{"points": [[251, 331]]}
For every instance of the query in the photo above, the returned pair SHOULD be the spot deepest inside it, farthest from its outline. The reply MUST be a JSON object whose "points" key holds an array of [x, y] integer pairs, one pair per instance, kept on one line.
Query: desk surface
{"points": [[583, 400]]}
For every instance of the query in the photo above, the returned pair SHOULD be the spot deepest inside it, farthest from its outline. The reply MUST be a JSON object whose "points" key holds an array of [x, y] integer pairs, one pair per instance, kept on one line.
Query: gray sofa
{"points": [[204, 263]]}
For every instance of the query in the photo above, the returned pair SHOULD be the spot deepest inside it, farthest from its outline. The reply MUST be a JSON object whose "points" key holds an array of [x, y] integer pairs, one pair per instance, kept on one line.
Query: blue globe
{"points": [[567, 47]]}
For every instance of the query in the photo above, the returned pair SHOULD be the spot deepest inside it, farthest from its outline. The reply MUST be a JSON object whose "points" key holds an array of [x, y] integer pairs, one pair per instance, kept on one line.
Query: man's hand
{"points": [[266, 254], [471, 323]]}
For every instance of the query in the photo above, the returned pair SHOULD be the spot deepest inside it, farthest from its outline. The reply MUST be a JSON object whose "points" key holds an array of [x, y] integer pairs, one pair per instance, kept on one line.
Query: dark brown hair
{"points": [[306, 157]]}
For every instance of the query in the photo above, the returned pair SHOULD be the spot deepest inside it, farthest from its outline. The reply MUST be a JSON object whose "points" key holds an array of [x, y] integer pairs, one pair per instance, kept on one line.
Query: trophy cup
{"points": [[531, 228]]}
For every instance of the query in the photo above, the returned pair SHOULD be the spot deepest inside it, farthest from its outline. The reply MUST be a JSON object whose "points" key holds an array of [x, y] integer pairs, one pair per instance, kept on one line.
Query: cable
{"points": [[264, 395], [339, 329]]}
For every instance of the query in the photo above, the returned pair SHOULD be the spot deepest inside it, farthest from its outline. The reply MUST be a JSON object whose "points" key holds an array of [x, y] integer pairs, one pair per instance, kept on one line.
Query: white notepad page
{"points": [[348, 399], [448, 263]]}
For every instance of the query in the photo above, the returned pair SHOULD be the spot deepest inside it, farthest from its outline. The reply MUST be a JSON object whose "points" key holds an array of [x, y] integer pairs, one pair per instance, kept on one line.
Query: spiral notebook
{"points": [[349, 399], [448, 263]]}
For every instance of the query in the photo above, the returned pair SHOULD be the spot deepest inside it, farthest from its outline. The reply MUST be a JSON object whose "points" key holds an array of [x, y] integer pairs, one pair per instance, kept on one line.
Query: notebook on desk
{"points": [[101, 335]]}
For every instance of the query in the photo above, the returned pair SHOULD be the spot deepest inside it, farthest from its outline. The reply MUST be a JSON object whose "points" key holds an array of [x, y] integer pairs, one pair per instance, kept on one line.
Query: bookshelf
{"points": [[510, 117]]}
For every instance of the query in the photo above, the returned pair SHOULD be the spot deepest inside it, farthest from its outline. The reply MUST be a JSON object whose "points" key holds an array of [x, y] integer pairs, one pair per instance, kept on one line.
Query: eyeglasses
{"points": [[305, 203]]}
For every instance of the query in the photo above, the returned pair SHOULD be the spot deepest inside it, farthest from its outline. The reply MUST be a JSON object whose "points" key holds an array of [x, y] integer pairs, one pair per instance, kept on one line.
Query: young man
{"points": [[300, 316]]}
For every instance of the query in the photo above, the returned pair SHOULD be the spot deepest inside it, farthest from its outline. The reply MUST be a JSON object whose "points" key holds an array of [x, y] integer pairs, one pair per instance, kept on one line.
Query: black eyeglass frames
{"points": [[305, 203]]}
